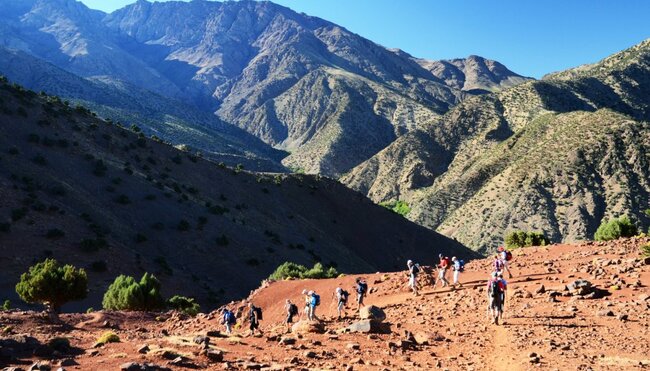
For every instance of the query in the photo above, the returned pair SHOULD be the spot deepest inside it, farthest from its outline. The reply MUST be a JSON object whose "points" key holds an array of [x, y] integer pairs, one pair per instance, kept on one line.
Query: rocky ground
{"points": [[550, 323]]}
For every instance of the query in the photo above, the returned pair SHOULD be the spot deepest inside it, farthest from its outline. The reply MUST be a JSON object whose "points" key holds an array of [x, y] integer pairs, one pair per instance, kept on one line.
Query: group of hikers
{"points": [[496, 292]]}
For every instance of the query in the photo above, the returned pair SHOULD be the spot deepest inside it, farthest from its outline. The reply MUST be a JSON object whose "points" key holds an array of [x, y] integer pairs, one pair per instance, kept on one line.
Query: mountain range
{"points": [[557, 155], [320, 95]]}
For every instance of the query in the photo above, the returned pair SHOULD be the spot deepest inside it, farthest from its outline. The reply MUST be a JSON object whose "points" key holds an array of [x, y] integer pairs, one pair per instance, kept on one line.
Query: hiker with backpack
{"points": [[496, 290], [292, 310], [341, 297], [497, 264], [506, 257], [458, 266], [228, 319], [443, 267], [361, 288], [307, 300], [314, 301], [254, 316], [414, 269]]}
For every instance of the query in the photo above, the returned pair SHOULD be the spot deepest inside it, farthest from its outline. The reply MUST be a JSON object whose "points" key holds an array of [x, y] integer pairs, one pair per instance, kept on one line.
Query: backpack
{"points": [[293, 309], [258, 312], [508, 256], [461, 265], [416, 268], [362, 287], [315, 300], [230, 318], [495, 290], [344, 296]]}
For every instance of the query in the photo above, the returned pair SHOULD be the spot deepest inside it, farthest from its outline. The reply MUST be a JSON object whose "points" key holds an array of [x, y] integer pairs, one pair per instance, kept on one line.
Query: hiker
{"points": [[341, 297], [414, 269], [305, 310], [292, 310], [505, 256], [443, 266], [458, 266], [228, 319], [497, 264], [362, 288], [496, 289], [254, 316], [314, 301]]}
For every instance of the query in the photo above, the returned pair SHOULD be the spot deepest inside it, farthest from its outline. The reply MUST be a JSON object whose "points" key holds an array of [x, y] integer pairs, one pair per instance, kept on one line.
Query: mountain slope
{"points": [[301, 84], [172, 120], [110, 200], [555, 155]]}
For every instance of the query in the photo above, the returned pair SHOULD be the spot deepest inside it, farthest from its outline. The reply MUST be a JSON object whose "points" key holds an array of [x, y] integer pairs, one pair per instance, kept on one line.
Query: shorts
{"points": [[254, 325], [290, 318]]}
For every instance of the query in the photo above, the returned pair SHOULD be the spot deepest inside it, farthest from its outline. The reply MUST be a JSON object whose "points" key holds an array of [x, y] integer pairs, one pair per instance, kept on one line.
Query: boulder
{"points": [[287, 340], [364, 326], [372, 312], [214, 355], [307, 327], [580, 287]]}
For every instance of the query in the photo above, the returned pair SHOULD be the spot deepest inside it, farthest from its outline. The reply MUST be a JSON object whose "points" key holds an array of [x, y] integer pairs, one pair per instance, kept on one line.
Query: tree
{"points": [[516, 239], [293, 270], [52, 285], [615, 228], [186, 305], [125, 293]]}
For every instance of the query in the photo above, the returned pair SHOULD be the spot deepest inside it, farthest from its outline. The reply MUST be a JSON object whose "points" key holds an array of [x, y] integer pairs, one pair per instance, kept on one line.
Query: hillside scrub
{"points": [[183, 304], [292, 270], [517, 239], [52, 285], [398, 207], [125, 293], [615, 228]]}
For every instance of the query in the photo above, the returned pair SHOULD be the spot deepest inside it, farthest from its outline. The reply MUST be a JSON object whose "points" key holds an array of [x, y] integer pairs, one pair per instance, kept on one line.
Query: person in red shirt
{"points": [[443, 267]]}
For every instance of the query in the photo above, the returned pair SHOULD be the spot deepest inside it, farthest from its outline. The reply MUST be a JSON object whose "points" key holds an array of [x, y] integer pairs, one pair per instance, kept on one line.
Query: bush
{"points": [[53, 285], [183, 304], [615, 228], [293, 270], [125, 293], [517, 239], [645, 250], [398, 207], [108, 337], [6, 305]]}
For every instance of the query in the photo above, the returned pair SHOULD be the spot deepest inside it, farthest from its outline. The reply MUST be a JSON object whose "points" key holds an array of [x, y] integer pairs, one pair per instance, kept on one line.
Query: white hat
{"points": [[304, 292], [453, 259], [310, 292], [409, 262], [338, 289]]}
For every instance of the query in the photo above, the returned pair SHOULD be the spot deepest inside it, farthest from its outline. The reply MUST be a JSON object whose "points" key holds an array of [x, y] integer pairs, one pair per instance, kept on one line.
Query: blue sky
{"points": [[530, 37]]}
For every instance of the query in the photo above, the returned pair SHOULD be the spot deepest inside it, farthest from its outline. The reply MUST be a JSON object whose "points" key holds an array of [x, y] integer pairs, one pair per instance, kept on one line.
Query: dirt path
{"points": [[502, 355]]}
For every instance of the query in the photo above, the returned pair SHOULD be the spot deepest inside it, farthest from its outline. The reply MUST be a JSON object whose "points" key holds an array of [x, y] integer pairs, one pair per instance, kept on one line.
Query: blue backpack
{"points": [[230, 318], [315, 300], [461, 265]]}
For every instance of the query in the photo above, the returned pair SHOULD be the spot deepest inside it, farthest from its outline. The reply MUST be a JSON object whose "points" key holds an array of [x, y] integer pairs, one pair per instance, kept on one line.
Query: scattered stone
{"points": [[540, 290], [214, 355], [622, 317], [353, 346], [309, 354], [287, 340], [605, 313], [372, 312], [144, 349], [41, 366]]}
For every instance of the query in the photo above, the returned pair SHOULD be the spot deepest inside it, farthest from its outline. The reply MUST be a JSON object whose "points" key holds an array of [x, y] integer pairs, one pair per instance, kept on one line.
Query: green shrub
{"points": [[293, 270], [53, 285], [517, 239], [108, 337], [186, 305], [398, 207], [615, 228], [6, 305], [645, 250], [125, 293]]}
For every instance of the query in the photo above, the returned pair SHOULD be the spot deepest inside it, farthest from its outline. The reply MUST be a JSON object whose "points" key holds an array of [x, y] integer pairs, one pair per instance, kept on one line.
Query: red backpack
{"points": [[508, 256]]}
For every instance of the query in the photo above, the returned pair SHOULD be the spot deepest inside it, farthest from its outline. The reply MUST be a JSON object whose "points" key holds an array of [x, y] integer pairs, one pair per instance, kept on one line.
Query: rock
{"points": [[144, 349], [309, 354], [41, 366], [372, 312], [363, 326], [214, 355], [427, 338], [540, 290], [353, 346], [605, 313], [134, 366], [201, 340], [580, 287], [286, 340], [67, 362], [307, 327], [252, 366], [214, 334], [130, 366], [622, 317]]}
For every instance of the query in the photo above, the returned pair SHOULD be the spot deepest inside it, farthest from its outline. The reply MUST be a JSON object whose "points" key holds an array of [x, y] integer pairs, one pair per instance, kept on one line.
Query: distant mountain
{"points": [[110, 200], [163, 117], [329, 97], [473, 74], [556, 155]]}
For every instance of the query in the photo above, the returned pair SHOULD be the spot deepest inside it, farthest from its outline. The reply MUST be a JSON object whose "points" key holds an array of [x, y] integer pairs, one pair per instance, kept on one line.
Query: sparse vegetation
{"points": [[517, 239], [292, 270], [398, 207], [184, 304], [108, 337], [125, 293], [52, 285], [6, 305], [615, 228]]}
